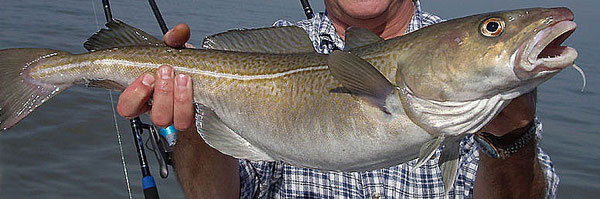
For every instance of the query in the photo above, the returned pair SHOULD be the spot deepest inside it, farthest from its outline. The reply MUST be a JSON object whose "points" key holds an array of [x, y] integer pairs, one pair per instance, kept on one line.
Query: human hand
{"points": [[172, 94], [516, 115], [520, 173]]}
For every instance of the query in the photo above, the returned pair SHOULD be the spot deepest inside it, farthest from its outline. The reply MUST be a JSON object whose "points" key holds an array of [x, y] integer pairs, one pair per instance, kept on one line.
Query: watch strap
{"points": [[489, 144]]}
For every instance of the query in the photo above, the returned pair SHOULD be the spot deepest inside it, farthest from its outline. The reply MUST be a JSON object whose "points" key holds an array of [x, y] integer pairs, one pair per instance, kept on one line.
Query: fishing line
{"points": [[95, 15], [112, 105]]}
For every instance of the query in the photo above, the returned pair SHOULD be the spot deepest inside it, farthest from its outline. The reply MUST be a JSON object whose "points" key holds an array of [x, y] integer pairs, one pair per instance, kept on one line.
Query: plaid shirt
{"points": [[279, 180]]}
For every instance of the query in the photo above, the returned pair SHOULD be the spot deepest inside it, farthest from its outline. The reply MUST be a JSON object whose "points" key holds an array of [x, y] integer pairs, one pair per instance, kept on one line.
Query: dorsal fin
{"points": [[119, 34], [357, 37], [360, 78], [280, 40]]}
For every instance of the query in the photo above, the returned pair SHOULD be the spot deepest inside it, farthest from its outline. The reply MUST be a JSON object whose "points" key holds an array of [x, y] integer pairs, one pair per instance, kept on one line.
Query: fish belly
{"points": [[297, 119]]}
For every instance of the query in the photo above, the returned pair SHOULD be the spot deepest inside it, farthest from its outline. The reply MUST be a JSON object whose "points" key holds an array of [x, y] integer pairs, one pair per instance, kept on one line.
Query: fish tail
{"points": [[20, 94]]}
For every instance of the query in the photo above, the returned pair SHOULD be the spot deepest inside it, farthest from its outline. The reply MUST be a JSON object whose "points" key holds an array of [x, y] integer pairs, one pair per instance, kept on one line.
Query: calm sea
{"points": [[68, 148]]}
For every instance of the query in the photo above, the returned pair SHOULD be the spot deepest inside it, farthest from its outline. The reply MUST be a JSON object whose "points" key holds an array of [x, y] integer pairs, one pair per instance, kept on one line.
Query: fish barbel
{"points": [[266, 95]]}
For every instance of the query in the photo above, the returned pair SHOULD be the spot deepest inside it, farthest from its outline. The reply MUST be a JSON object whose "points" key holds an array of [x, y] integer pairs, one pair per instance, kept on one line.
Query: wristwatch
{"points": [[493, 147]]}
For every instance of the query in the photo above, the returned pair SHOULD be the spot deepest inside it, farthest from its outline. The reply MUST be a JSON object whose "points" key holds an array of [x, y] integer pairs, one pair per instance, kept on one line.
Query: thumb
{"points": [[177, 36]]}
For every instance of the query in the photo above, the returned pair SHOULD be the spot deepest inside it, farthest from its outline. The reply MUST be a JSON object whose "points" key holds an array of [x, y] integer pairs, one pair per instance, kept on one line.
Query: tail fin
{"points": [[19, 94]]}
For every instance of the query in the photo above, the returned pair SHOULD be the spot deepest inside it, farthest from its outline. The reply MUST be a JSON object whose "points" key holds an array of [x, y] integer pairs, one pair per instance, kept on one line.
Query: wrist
{"points": [[505, 146], [516, 134]]}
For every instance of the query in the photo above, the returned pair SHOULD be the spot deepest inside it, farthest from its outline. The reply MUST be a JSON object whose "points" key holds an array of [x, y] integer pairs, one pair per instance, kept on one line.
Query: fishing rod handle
{"points": [[150, 190]]}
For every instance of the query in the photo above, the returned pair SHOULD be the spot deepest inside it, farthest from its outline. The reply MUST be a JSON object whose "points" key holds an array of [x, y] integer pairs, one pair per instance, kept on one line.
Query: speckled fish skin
{"points": [[282, 104]]}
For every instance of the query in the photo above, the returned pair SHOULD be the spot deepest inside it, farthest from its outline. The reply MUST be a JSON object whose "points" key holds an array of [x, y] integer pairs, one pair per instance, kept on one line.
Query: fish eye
{"points": [[492, 27]]}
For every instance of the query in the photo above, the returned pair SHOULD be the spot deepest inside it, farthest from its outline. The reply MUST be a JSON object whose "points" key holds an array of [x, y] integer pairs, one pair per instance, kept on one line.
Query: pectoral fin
{"points": [[449, 162], [428, 149], [360, 78]]}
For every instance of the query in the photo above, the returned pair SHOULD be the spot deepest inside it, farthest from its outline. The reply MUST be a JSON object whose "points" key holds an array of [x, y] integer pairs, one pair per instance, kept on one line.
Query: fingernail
{"points": [[182, 81], [166, 73], [148, 80]]}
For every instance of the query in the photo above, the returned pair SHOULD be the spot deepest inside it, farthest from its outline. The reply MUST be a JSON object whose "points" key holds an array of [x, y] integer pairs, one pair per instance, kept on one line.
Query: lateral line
{"points": [[179, 68]]}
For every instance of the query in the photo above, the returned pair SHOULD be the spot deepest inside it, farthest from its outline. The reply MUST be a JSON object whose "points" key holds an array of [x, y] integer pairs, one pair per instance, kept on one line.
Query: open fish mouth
{"points": [[544, 54], [548, 51]]}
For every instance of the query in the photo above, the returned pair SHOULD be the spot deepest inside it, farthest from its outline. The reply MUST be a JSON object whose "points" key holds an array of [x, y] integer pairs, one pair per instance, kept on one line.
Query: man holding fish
{"points": [[206, 173]]}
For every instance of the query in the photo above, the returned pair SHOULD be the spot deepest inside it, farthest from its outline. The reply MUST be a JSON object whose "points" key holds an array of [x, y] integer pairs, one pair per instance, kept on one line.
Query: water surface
{"points": [[68, 148]]}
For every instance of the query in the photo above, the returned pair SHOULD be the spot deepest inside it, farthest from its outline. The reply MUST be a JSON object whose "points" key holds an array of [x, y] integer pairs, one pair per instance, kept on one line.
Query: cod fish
{"points": [[264, 94]]}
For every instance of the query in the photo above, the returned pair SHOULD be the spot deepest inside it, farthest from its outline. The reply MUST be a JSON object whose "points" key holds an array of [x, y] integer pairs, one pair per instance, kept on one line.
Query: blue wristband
{"points": [[166, 131]]}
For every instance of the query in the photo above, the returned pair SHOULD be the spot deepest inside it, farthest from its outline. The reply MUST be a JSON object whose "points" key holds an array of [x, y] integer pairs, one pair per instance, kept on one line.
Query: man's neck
{"points": [[391, 23]]}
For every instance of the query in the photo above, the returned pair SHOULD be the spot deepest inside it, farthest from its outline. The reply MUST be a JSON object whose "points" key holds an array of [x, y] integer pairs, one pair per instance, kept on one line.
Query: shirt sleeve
{"points": [[552, 179], [282, 22], [259, 179]]}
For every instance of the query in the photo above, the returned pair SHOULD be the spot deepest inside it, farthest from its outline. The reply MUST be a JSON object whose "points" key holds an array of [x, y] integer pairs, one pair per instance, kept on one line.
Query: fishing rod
{"points": [[148, 183], [159, 18], [107, 12], [307, 9], [160, 150], [164, 140]]}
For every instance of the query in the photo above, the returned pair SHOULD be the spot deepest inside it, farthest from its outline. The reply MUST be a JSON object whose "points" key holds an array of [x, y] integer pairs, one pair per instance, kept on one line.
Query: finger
{"points": [[183, 112], [162, 106], [133, 101], [177, 36]]}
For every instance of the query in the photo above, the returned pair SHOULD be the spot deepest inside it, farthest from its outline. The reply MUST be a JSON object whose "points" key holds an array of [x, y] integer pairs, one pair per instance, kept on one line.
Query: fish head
{"points": [[459, 74], [480, 56]]}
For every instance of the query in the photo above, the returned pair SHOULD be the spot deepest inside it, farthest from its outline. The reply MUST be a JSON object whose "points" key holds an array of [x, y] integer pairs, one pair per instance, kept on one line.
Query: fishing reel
{"points": [[161, 145], [161, 148]]}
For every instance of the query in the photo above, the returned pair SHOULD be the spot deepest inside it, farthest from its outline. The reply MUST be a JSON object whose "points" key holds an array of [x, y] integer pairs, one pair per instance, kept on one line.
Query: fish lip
{"points": [[531, 59]]}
